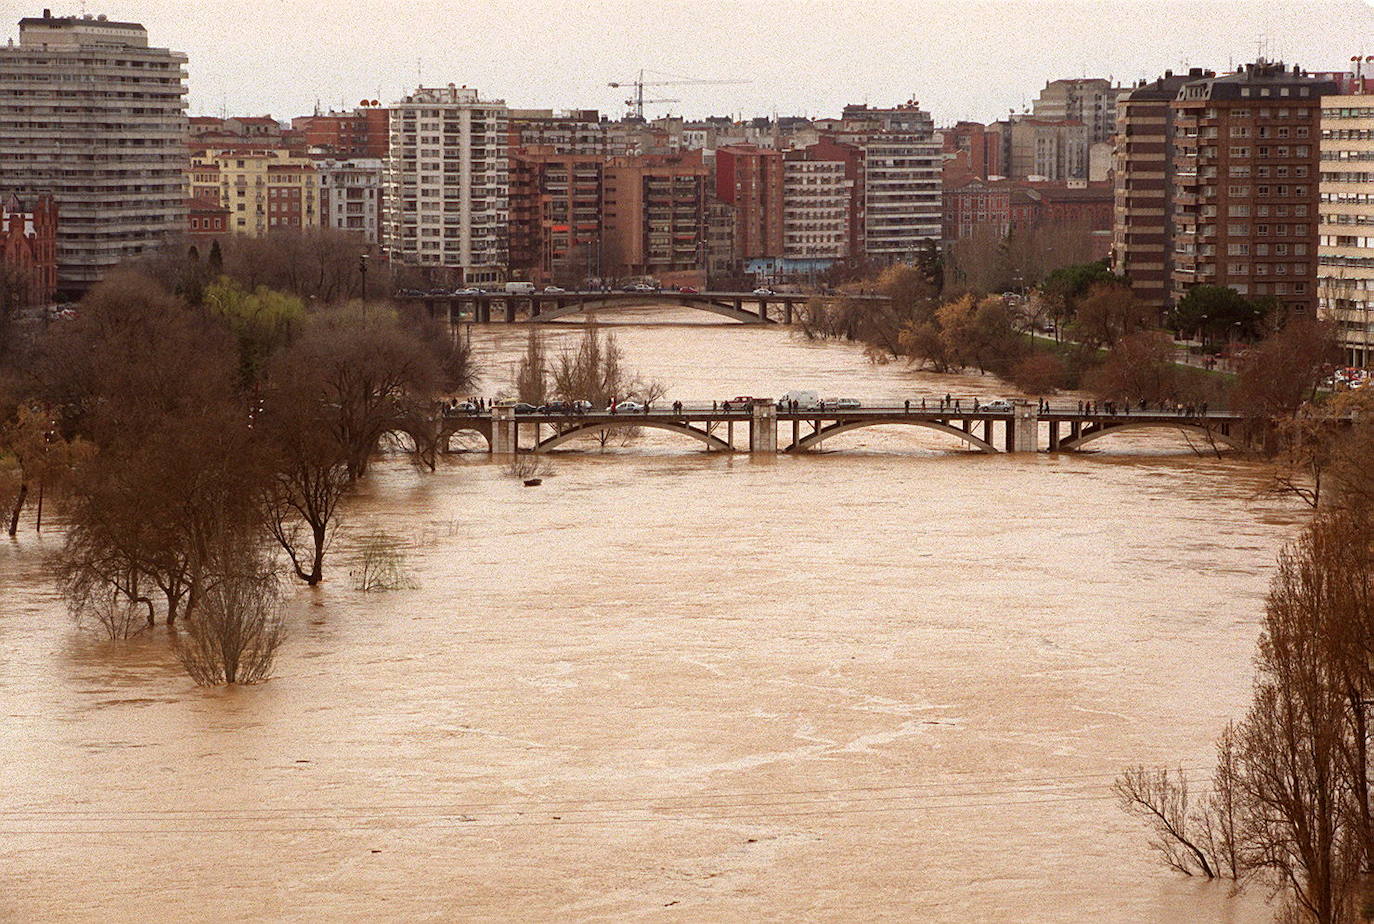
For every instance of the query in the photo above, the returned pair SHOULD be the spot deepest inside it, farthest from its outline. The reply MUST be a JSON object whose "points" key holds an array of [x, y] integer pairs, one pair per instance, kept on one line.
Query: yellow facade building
{"points": [[262, 188]]}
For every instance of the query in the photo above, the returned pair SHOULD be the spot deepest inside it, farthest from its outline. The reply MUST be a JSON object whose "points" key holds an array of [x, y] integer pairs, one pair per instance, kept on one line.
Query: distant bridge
{"points": [[540, 307], [768, 427]]}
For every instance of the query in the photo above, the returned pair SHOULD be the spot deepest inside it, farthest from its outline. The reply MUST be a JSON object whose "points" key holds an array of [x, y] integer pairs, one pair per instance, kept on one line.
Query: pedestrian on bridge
{"points": [[923, 403], [908, 405]]}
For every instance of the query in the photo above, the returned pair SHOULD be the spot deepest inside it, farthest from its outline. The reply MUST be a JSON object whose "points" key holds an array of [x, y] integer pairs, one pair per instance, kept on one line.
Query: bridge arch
{"points": [[449, 430], [711, 440], [545, 313], [1101, 430], [836, 429]]}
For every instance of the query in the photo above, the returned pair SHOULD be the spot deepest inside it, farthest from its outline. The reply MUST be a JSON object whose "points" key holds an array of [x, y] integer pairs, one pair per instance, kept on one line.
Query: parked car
{"points": [[556, 407], [581, 407], [639, 287], [553, 290], [625, 407], [738, 403], [764, 290], [998, 406], [843, 404], [688, 290], [467, 291], [523, 408], [462, 407], [519, 288]]}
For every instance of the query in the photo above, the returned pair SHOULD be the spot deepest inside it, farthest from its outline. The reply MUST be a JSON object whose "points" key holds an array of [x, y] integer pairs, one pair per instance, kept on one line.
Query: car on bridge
{"points": [[764, 290], [524, 408], [844, 404], [553, 290], [556, 407], [689, 290], [625, 407], [639, 287], [581, 407], [998, 406], [737, 403], [467, 291]]}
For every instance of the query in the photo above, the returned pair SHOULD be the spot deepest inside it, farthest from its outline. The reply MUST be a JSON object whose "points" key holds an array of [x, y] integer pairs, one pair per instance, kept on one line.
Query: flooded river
{"points": [[891, 681]]}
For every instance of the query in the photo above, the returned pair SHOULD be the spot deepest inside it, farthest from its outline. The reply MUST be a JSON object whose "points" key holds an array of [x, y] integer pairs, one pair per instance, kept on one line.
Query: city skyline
{"points": [[961, 60]]}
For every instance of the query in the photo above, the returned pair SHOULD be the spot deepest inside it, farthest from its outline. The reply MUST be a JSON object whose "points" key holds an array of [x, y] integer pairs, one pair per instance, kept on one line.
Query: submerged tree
{"points": [[238, 627]]}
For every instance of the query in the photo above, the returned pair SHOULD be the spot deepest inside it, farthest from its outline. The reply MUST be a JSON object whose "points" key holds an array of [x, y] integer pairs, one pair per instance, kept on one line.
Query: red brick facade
{"points": [[28, 242]]}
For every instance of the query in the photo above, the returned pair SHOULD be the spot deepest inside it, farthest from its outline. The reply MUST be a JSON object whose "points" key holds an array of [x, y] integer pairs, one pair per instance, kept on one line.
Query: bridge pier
{"points": [[1054, 436], [510, 310], [1023, 430], [763, 426], [505, 430]]}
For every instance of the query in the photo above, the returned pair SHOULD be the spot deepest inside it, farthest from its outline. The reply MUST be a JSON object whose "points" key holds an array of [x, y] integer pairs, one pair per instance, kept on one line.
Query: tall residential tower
{"points": [[95, 117]]}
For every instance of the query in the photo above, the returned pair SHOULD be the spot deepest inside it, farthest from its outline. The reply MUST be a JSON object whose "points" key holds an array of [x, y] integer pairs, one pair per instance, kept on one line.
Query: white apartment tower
{"points": [[903, 205], [93, 115], [1345, 252], [815, 208], [447, 183]]}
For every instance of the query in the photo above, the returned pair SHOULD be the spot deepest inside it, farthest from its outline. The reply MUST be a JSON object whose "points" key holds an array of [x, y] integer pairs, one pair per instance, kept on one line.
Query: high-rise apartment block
{"points": [[447, 183], [1089, 100], [1345, 286], [1245, 196], [555, 215], [902, 179], [1142, 241], [654, 217], [818, 196], [750, 179], [1217, 184], [94, 116]]}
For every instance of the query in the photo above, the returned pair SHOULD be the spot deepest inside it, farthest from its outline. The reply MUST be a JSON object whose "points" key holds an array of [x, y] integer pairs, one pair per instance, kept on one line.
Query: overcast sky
{"points": [[963, 59]]}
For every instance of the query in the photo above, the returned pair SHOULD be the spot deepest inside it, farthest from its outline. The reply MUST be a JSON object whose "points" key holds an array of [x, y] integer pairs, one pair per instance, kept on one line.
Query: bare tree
{"points": [[238, 627], [1160, 797], [532, 375], [380, 565]]}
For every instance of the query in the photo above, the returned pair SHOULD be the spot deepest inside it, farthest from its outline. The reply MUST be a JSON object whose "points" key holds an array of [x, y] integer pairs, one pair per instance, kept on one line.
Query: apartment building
{"points": [[351, 196], [447, 183], [1142, 241], [1345, 271], [1091, 101], [902, 178], [94, 116], [654, 211], [1046, 149], [817, 197], [1245, 183], [566, 131], [263, 189], [555, 215], [363, 133], [750, 180]]}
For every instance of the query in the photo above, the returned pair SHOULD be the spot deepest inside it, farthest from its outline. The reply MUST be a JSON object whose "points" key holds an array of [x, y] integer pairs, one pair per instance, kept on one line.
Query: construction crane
{"points": [[637, 101]]}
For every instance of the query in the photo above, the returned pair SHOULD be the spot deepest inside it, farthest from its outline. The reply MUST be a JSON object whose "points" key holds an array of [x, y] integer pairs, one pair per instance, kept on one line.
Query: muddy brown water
{"points": [[888, 682]]}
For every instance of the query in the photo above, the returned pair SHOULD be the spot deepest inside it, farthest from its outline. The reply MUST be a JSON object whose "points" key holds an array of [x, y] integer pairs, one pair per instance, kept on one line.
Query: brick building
{"points": [[555, 215], [363, 132], [970, 150], [1245, 183], [1142, 245], [28, 245], [1013, 206], [750, 179], [654, 217], [207, 216], [263, 189]]}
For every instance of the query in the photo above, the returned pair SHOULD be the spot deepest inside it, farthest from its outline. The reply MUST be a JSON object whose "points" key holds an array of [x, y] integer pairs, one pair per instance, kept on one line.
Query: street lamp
{"points": [[362, 270]]}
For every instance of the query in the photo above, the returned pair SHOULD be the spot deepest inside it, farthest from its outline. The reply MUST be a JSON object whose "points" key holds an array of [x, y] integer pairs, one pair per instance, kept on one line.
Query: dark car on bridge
{"points": [[556, 407], [738, 403], [523, 408]]}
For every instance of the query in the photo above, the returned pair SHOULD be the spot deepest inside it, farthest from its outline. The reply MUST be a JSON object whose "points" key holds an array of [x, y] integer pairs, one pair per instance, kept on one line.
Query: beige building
{"points": [[263, 189], [1345, 253], [815, 207], [94, 116]]}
